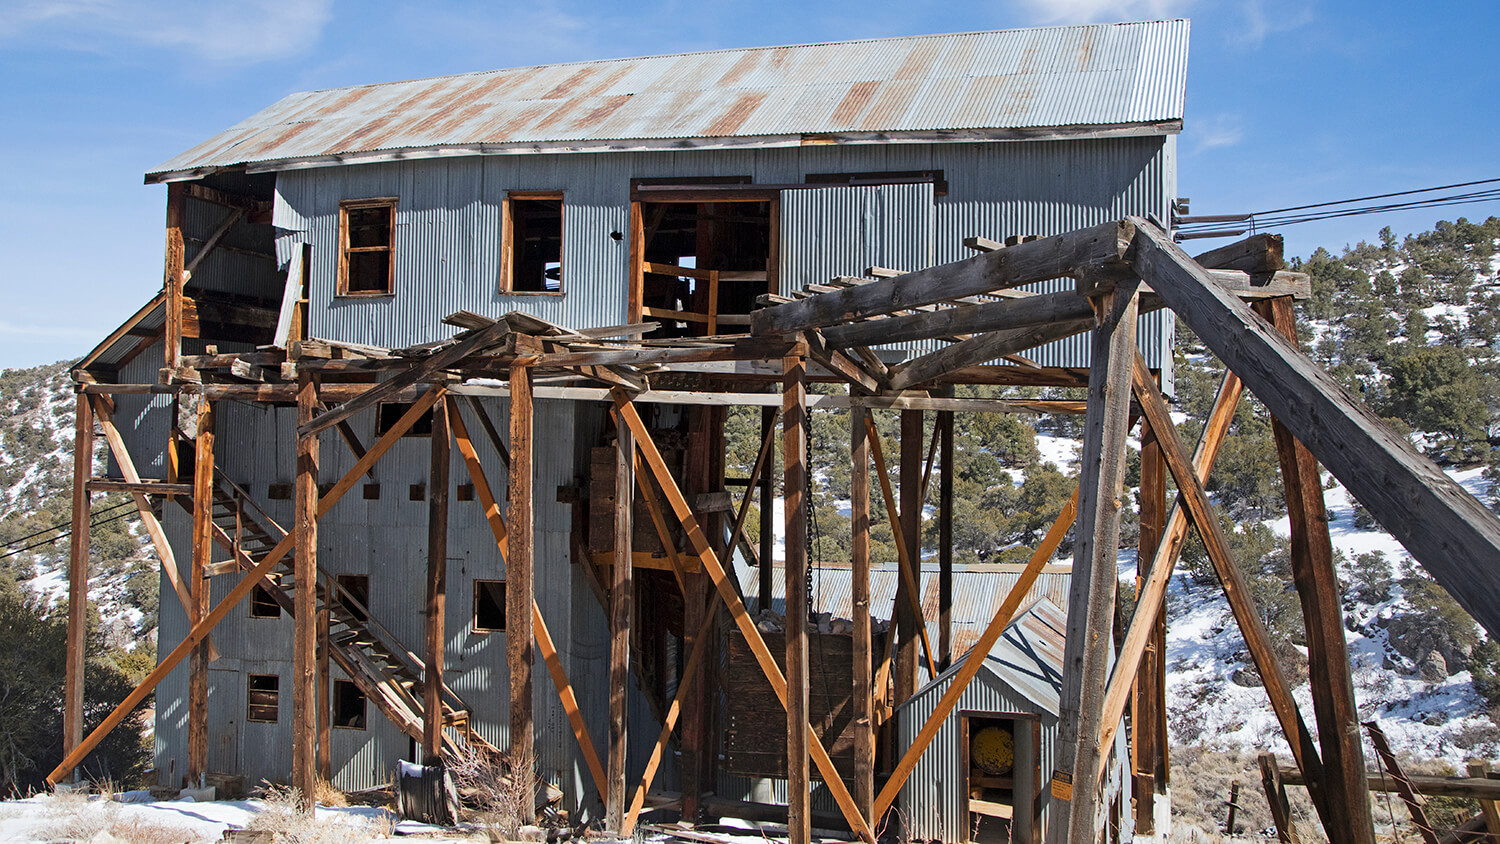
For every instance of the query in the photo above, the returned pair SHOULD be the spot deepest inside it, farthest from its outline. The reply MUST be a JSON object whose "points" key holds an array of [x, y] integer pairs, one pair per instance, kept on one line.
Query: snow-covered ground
{"points": [[69, 817], [1442, 720]]}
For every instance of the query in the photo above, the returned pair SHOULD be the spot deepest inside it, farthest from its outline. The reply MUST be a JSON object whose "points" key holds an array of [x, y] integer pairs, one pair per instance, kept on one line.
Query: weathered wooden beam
{"points": [[435, 629], [429, 366], [737, 611], [208, 246], [484, 494], [144, 487], [903, 560], [1075, 809], [1151, 596], [1445, 528], [621, 590], [1402, 786], [965, 319], [1471, 787], [165, 665], [794, 492], [490, 432], [1258, 253], [768, 417], [305, 573], [172, 273], [1148, 709], [859, 553], [1281, 807], [837, 361], [78, 574], [977, 655], [518, 567], [1321, 595], [911, 626], [981, 349], [202, 555], [1039, 260], [944, 432], [1231, 580]]}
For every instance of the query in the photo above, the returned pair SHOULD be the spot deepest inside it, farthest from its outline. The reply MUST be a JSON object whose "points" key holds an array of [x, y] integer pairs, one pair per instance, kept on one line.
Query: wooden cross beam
{"points": [[1445, 528], [429, 366], [715, 569], [903, 553], [251, 579], [1039, 260]]}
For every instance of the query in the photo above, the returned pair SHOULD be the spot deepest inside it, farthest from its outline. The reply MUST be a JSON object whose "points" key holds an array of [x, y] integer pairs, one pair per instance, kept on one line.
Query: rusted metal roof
{"points": [[1086, 80]]}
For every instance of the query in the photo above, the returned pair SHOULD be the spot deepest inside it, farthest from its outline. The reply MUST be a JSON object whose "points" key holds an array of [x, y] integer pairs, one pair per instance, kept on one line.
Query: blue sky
{"points": [[1288, 103]]}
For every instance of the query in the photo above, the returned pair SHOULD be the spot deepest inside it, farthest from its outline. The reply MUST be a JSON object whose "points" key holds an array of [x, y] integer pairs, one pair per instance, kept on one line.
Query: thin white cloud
{"points": [[234, 32], [1092, 11], [1264, 19], [1220, 130], [48, 332]]}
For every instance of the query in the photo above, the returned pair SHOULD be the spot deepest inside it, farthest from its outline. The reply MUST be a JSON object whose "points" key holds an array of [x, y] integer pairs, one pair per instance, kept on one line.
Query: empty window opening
{"points": [[263, 698], [489, 605], [1001, 775], [390, 412], [262, 604], [354, 596], [532, 252], [886, 177], [702, 264], [365, 237], [348, 705]]}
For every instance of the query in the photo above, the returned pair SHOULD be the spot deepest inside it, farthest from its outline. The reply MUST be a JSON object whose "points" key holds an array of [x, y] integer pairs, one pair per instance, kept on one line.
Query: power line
{"points": [[1280, 217], [68, 524], [1381, 196], [61, 535]]}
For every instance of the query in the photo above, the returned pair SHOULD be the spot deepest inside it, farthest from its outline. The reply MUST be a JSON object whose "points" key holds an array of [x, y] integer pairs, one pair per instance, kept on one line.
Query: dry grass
{"points": [[74, 817], [501, 792], [283, 817], [327, 795]]}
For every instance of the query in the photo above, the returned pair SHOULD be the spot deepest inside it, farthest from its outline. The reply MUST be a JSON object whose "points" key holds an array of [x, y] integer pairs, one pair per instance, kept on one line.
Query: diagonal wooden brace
{"points": [[1236, 591], [238, 593], [736, 607]]}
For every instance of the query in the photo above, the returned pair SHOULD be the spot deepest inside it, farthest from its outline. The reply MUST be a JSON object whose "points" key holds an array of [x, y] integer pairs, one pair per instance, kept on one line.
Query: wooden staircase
{"points": [[389, 675]]}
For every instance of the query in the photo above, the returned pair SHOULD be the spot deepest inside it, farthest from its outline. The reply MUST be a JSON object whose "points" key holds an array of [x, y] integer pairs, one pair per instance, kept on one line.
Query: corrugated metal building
{"points": [[868, 153], [1017, 690]]}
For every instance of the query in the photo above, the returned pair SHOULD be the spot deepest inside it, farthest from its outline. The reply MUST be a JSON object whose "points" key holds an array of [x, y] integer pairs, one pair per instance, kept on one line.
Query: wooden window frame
{"points": [[507, 242], [336, 700], [345, 206], [262, 603], [250, 706], [474, 616]]}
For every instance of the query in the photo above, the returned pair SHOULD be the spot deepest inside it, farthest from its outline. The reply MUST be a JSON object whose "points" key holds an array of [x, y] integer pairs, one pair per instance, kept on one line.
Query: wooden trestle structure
{"points": [[1237, 299]]}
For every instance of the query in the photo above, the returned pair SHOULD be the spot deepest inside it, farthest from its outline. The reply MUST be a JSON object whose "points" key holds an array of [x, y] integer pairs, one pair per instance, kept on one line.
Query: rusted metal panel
{"points": [[1099, 75]]}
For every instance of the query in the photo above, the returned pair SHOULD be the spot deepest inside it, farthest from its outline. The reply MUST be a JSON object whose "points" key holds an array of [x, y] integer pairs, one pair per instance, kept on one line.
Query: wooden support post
{"points": [[1148, 710], [767, 533], [305, 573], [78, 573], [518, 567], [1195, 500], [909, 590], [620, 594], [1350, 819], [437, 585], [325, 687], [166, 664], [1086, 660], [710, 561], [198, 583], [1234, 805], [703, 474], [1490, 809], [859, 525], [1281, 808], [1415, 806], [945, 539], [172, 275], [794, 492]]}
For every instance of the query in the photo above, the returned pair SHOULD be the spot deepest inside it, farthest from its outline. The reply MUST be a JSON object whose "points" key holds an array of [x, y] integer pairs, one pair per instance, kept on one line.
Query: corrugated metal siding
{"points": [[1094, 75], [448, 224], [225, 270]]}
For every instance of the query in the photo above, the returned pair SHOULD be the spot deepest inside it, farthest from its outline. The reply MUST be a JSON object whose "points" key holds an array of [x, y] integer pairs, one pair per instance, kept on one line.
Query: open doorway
{"points": [[1001, 769], [701, 256]]}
